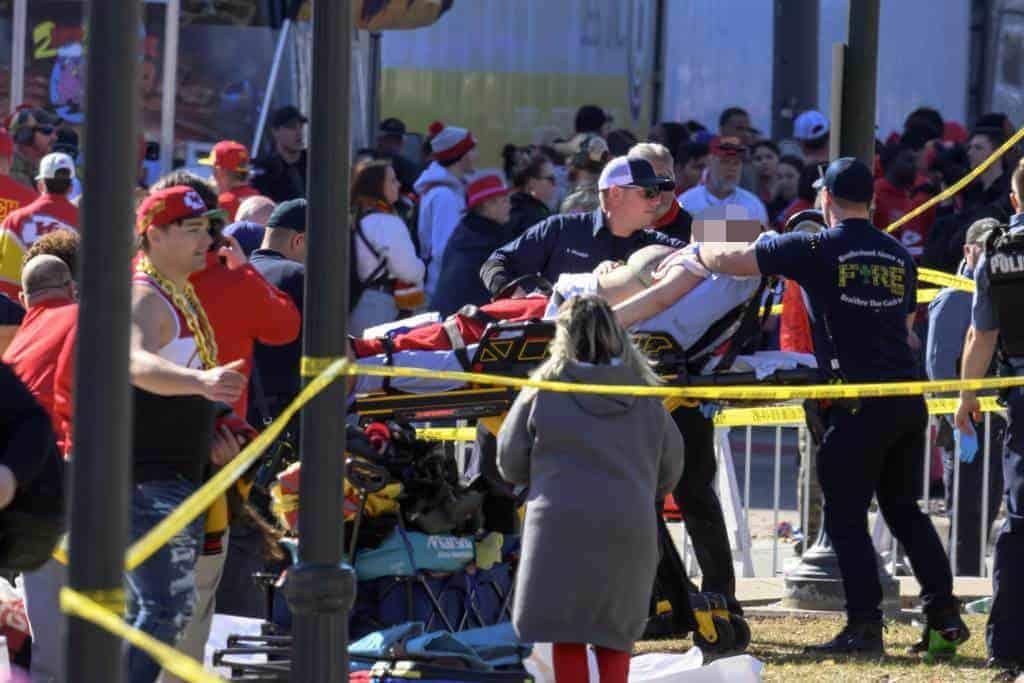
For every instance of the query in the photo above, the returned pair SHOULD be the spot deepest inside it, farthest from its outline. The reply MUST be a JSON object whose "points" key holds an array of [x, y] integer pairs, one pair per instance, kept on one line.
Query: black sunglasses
{"points": [[45, 130], [649, 192]]}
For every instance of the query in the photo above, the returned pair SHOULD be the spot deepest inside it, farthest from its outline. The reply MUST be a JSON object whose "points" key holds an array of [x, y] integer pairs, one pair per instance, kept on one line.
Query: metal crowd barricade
{"points": [[737, 500]]}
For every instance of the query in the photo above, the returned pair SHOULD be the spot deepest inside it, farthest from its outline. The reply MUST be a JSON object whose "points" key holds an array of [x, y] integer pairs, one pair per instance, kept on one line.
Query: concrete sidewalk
{"points": [[766, 591]]}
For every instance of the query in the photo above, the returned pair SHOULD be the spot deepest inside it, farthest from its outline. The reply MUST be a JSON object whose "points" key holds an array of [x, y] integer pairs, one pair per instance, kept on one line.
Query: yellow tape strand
{"points": [[312, 366], [197, 503], [183, 666], [768, 416], [960, 184], [750, 393], [937, 277]]}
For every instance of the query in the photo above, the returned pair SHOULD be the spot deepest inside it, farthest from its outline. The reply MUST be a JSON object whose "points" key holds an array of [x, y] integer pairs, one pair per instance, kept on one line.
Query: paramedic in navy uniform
{"points": [[997, 316], [862, 287]]}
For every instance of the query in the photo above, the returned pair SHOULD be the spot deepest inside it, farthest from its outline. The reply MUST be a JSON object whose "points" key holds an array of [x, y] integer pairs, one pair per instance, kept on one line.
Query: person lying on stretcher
{"points": [[647, 294]]}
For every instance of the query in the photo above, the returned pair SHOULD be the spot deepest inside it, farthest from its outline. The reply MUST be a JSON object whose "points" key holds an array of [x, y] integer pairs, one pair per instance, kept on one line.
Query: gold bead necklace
{"points": [[188, 304]]}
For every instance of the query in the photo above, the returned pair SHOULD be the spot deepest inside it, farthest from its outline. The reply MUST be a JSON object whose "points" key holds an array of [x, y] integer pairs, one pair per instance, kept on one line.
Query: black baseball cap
{"points": [[848, 178], [632, 172], [285, 116], [290, 215], [392, 126]]}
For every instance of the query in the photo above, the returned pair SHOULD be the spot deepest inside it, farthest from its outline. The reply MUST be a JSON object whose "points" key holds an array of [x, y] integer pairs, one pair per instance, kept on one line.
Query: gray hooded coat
{"points": [[595, 465]]}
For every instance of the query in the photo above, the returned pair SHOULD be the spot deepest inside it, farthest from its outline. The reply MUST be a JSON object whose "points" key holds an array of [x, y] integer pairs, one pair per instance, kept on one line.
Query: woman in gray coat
{"points": [[595, 464]]}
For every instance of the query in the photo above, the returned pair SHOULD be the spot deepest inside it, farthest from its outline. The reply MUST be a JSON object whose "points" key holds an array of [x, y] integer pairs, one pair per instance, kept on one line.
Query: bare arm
{"points": [[152, 327], [730, 259], [979, 348], [675, 284]]}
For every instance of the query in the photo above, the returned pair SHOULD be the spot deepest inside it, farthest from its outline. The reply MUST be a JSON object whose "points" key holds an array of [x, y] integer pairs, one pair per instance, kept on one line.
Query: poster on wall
{"points": [[221, 73]]}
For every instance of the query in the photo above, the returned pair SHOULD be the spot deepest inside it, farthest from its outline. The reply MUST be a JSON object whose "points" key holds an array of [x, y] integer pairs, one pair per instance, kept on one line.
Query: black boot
{"points": [[855, 638]]}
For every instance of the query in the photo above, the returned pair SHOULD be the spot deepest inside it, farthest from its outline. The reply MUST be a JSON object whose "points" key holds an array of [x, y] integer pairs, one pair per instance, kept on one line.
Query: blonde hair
{"points": [[653, 152], [587, 331]]}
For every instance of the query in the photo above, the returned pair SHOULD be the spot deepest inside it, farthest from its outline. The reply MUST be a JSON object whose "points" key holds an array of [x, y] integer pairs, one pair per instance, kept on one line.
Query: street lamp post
{"points": [[320, 589], [101, 466]]}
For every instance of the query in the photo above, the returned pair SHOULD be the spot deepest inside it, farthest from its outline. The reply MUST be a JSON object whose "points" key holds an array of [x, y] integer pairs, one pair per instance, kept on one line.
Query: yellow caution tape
{"points": [[311, 366], [926, 296], [447, 434], [768, 416], [937, 277], [181, 665], [199, 501], [748, 393], [111, 599], [960, 184]]}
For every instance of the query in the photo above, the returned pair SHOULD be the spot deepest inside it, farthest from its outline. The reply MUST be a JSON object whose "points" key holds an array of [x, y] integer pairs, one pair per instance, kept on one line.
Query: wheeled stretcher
{"points": [[709, 339]]}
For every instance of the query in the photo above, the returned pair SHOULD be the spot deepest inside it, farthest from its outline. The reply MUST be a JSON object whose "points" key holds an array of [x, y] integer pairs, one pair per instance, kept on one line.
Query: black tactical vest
{"points": [[1004, 252]]}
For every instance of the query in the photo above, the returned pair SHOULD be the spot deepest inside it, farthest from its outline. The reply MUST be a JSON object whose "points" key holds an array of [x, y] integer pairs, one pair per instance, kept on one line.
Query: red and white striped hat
{"points": [[484, 187], [448, 143]]}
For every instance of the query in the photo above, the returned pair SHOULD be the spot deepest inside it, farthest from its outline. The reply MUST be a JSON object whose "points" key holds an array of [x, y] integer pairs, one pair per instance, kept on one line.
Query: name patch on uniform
{"points": [[1006, 263]]}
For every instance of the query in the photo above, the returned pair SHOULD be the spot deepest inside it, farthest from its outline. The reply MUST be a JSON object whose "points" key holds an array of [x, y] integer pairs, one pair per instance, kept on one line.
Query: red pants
{"points": [[570, 660]]}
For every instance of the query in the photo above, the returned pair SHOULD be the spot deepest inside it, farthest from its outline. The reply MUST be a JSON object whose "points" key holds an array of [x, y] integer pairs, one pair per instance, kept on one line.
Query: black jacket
{"points": [[459, 283], [278, 366], [28, 448], [526, 213], [278, 180], [564, 243]]}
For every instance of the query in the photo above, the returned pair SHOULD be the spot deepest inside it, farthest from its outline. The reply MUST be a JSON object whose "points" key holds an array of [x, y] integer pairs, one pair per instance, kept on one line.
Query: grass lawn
{"points": [[779, 642]]}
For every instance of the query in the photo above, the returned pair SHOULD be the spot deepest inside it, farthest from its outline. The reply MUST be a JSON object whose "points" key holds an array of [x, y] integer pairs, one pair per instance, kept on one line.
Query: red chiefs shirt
{"points": [[23, 227], [232, 199], [243, 308], [46, 332], [14, 195], [892, 203]]}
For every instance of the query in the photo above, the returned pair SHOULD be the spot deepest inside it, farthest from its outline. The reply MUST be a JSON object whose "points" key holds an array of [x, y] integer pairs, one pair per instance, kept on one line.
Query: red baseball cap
{"points": [[169, 206], [485, 187], [229, 155], [727, 146]]}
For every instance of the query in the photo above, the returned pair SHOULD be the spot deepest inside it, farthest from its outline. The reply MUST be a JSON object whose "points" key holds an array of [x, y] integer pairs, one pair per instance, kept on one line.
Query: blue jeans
{"points": [[162, 590]]}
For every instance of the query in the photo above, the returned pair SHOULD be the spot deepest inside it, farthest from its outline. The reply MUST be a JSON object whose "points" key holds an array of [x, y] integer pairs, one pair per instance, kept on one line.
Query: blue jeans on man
{"points": [[162, 590]]}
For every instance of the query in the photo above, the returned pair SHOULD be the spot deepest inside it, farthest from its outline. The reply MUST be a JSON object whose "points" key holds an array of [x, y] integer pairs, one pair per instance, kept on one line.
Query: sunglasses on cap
{"points": [[649, 192]]}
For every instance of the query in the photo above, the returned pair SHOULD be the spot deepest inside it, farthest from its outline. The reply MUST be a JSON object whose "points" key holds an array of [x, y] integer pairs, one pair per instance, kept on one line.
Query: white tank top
{"points": [[182, 349]]}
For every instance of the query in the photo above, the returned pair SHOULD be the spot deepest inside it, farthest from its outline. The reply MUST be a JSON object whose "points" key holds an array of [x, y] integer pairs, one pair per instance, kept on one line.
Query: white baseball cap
{"points": [[53, 162], [810, 125]]}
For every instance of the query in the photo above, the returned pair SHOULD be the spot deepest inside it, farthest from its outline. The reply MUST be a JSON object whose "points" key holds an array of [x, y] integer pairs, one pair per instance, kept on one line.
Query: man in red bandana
{"points": [[177, 383]]}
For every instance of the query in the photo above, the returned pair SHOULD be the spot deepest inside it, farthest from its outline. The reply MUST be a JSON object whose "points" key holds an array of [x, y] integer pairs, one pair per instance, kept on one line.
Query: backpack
{"points": [[357, 286]]}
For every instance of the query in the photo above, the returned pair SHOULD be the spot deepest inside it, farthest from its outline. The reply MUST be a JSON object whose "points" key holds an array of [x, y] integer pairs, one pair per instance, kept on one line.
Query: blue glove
{"points": [[709, 410], [968, 445]]}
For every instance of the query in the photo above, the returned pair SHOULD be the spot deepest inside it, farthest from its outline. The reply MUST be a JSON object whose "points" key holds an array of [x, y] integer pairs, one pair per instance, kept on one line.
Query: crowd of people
{"points": [[217, 300]]}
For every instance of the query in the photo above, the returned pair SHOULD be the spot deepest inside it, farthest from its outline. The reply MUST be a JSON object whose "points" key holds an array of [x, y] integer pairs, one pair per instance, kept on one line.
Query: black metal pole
{"points": [[320, 590], [860, 78], [101, 465], [795, 62]]}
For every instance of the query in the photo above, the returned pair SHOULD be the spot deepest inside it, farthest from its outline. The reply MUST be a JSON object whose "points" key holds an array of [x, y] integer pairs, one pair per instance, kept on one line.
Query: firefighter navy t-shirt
{"points": [[861, 284]]}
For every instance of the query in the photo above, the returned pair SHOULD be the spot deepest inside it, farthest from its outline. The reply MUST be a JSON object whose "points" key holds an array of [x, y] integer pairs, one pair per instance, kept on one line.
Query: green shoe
{"points": [[942, 644]]}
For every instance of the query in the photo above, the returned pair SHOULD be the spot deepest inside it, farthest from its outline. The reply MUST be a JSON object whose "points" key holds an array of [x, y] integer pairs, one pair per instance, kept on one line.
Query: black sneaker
{"points": [[861, 638]]}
